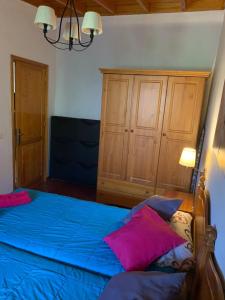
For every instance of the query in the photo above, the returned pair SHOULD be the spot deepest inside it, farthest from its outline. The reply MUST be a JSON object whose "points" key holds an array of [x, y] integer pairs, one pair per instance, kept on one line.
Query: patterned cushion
{"points": [[180, 257]]}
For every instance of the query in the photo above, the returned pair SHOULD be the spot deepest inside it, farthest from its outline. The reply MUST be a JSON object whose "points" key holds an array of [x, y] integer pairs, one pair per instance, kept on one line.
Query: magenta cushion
{"points": [[142, 240], [14, 199]]}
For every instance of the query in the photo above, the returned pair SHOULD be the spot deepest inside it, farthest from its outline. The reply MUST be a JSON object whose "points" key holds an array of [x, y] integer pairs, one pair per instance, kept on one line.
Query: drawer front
{"points": [[123, 187], [117, 199]]}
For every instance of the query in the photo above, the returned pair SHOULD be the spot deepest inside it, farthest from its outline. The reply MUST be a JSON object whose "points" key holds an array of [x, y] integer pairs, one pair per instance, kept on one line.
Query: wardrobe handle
{"points": [[132, 130], [164, 134]]}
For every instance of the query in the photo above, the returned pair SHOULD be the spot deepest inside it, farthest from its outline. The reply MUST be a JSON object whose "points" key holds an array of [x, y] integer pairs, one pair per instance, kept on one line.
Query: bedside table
{"points": [[188, 199]]}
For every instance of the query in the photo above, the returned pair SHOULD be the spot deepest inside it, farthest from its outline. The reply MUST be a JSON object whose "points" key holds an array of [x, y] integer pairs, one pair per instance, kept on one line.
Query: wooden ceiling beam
{"points": [[109, 7], [125, 7], [144, 4], [183, 5], [79, 7]]}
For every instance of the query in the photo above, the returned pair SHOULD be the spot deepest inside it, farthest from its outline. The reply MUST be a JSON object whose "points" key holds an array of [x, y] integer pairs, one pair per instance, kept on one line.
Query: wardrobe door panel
{"points": [[180, 128], [114, 126], [171, 174], [183, 107], [142, 159], [113, 157], [145, 128], [117, 101]]}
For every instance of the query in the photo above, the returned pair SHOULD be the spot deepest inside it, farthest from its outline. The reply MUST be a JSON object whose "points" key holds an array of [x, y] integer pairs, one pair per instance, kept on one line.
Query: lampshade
{"points": [[188, 157], [74, 31], [92, 20], [45, 15]]}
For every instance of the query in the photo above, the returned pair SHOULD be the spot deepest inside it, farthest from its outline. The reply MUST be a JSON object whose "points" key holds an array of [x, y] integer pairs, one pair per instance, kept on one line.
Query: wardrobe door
{"points": [[180, 128], [114, 126], [145, 128]]}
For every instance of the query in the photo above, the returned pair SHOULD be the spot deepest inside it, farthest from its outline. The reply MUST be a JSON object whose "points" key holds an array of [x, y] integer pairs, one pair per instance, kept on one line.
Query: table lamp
{"points": [[188, 157]]}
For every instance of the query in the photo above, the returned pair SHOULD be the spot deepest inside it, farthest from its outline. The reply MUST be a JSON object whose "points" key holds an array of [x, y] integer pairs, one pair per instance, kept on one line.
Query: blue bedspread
{"points": [[65, 229], [24, 276]]}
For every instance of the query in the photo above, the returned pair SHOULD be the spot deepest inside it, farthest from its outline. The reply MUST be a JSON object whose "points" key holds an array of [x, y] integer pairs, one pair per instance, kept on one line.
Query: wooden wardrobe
{"points": [[148, 117]]}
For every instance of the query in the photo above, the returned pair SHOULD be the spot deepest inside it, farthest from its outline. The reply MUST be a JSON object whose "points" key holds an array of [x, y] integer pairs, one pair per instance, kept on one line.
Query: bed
{"points": [[53, 248], [59, 238], [24, 275]]}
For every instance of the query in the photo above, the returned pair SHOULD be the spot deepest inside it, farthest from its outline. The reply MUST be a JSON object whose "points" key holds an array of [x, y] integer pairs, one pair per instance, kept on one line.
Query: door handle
{"points": [[18, 136]]}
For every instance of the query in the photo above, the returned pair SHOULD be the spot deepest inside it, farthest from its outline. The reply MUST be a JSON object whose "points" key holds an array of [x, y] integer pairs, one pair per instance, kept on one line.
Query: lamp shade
{"points": [[74, 32], [188, 157], [92, 21], [45, 15]]}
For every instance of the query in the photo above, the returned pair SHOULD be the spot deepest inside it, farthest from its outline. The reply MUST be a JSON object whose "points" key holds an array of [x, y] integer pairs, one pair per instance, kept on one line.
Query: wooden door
{"points": [[180, 128], [116, 104], [145, 128], [30, 112]]}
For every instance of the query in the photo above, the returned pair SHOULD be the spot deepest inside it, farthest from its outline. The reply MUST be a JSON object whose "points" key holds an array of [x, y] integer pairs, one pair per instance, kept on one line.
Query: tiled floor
{"points": [[67, 189]]}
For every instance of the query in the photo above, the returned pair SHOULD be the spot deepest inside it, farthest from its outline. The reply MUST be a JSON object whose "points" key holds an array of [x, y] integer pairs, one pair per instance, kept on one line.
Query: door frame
{"points": [[15, 58]]}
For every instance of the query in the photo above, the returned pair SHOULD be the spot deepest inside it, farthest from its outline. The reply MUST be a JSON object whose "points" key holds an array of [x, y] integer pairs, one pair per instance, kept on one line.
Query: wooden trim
{"points": [[12, 60], [207, 282], [186, 73], [46, 160], [106, 5], [144, 4], [15, 58]]}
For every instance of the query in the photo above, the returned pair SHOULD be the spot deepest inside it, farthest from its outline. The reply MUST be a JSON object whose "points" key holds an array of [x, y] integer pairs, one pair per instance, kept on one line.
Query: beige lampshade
{"points": [[188, 157], [92, 20], [74, 32], [45, 15]]}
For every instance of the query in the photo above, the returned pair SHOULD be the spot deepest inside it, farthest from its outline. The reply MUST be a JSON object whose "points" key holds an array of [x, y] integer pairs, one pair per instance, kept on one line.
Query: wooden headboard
{"points": [[207, 281]]}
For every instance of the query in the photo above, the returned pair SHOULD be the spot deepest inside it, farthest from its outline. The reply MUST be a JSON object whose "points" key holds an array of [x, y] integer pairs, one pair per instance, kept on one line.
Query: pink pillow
{"points": [[14, 199], [142, 240]]}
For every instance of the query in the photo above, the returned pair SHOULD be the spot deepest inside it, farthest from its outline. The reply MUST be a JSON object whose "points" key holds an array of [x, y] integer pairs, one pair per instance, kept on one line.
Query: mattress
{"points": [[27, 276], [64, 229]]}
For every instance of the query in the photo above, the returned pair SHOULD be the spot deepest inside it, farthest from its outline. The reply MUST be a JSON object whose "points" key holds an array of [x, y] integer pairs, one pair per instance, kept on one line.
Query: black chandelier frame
{"points": [[70, 45]]}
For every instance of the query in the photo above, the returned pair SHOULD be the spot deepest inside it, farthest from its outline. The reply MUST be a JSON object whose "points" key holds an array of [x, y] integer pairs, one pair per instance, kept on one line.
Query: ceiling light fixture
{"points": [[70, 39]]}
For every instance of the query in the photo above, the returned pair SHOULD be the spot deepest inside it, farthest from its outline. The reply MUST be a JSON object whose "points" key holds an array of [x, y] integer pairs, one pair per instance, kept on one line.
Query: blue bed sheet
{"points": [[64, 229], [24, 276]]}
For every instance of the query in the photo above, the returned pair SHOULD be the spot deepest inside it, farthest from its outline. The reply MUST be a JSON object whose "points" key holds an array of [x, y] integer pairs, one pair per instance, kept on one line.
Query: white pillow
{"points": [[180, 257]]}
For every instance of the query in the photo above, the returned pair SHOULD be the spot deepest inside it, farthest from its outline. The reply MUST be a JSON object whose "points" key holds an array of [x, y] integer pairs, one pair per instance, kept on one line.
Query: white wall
{"points": [[180, 40], [215, 177], [18, 36]]}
